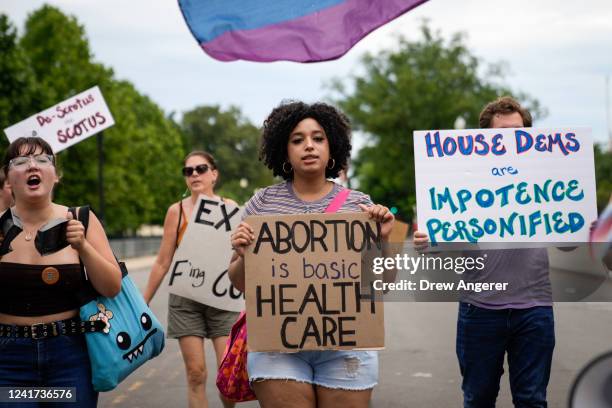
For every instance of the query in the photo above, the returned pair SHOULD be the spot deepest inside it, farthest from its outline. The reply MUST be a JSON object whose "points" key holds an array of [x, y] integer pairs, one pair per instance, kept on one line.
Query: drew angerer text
{"points": [[425, 285]]}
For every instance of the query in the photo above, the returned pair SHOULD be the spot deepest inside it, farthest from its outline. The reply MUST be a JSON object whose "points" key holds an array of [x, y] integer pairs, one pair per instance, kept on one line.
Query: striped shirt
{"points": [[281, 199]]}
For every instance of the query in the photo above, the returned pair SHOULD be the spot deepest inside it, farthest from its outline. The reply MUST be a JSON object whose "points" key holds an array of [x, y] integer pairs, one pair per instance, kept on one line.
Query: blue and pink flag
{"points": [[292, 30]]}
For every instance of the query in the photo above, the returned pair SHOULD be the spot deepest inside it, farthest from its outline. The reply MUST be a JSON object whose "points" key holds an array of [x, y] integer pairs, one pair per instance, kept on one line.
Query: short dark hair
{"points": [[504, 106], [284, 118], [32, 144]]}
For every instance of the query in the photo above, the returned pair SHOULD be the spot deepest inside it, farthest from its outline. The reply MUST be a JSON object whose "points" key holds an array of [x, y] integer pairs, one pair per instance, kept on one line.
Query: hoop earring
{"points": [[333, 164], [290, 168]]}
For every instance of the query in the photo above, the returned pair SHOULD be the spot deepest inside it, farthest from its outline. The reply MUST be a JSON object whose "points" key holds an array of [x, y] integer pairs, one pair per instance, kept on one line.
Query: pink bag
{"points": [[232, 376]]}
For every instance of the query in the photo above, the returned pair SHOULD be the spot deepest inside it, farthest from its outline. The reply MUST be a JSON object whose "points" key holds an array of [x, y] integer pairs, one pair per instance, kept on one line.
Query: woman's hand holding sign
{"points": [[380, 213], [242, 238]]}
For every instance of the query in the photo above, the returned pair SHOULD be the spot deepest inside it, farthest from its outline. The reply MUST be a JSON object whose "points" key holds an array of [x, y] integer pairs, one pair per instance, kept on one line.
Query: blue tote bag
{"points": [[132, 335]]}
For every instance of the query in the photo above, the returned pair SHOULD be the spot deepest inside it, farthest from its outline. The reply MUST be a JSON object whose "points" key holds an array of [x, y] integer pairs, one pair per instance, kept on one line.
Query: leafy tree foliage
{"points": [[234, 142], [143, 151], [416, 85], [603, 176], [18, 89]]}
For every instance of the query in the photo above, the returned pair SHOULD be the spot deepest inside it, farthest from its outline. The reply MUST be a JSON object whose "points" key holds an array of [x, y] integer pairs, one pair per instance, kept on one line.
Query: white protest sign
{"points": [[67, 123], [199, 268], [523, 186]]}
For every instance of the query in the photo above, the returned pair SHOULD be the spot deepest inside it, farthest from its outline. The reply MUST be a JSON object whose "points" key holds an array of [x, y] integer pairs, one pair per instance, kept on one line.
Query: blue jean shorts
{"points": [[60, 361], [346, 370]]}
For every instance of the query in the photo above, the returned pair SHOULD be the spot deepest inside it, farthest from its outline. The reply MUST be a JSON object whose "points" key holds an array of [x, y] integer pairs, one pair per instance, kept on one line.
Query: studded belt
{"points": [[67, 327]]}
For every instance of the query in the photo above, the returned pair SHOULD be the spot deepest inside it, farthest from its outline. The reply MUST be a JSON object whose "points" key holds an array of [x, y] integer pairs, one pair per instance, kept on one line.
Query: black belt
{"points": [[68, 327]]}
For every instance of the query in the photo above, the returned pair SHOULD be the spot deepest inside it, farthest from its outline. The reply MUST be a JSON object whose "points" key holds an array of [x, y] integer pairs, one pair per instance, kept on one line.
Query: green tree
{"points": [[143, 151], [234, 142], [424, 84], [18, 88], [60, 57], [603, 176], [143, 154]]}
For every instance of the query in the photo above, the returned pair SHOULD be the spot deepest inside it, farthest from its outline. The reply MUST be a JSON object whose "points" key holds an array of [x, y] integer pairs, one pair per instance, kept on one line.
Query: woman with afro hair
{"points": [[306, 145]]}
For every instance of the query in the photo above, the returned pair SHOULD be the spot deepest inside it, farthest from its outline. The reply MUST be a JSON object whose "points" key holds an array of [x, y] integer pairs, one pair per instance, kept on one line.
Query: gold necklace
{"points": [[29, 235]]}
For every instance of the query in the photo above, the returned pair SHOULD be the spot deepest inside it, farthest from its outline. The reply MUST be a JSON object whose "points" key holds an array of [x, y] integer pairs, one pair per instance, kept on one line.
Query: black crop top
{"points": [[36, 290]]}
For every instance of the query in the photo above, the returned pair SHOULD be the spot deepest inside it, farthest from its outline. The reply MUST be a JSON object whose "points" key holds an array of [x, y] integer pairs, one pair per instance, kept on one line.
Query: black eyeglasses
{"points": [[200, 169]]}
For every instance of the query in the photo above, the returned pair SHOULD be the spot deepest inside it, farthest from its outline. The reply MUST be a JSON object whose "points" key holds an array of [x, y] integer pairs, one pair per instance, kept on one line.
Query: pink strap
{"points": [[338, 201]]}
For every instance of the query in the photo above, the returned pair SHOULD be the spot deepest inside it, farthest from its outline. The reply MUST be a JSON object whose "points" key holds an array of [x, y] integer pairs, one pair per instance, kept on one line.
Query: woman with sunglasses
{"points": [[41, 336], [307, 145], [189, 321]]}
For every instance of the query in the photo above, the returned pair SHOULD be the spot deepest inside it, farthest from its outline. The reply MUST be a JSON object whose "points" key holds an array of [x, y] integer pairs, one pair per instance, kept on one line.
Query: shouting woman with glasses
{"points": [[41, 335], [188, 320]]}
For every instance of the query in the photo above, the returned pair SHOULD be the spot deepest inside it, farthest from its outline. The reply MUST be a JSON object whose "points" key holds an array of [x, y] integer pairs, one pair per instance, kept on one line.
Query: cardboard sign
{"points": [[398, 232], [522, 186], [304, 286], [67, 123], [199, 267]]}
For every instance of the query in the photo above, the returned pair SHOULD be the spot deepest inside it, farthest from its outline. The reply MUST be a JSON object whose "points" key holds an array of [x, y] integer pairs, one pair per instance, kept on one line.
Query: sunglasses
{"points": [[200, 169]]}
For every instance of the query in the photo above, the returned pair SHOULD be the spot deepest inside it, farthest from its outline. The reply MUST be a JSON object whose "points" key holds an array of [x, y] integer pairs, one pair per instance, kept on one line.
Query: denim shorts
{"points": [[346, 370], [60, 361]]}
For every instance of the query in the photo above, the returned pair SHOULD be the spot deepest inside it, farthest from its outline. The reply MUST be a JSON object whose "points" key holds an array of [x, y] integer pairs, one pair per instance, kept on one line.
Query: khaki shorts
{"points": [[187, 317]]}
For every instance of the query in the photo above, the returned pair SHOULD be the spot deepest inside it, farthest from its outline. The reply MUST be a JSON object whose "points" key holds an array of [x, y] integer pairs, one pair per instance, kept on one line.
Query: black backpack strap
{"points": [[81, 214], [178, 226], [88, 292], [8, 230]]}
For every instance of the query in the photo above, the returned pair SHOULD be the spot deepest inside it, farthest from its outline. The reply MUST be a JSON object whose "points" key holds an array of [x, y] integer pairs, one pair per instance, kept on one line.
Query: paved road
{"points": [[418, 367]]}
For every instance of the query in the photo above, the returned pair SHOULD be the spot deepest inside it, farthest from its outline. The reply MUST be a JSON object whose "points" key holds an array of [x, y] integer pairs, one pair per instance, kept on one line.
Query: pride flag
{"points": [[293, 30]]}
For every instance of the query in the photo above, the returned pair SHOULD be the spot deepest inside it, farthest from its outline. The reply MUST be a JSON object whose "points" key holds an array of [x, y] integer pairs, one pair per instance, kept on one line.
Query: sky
{"points": [[559, 52]]}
